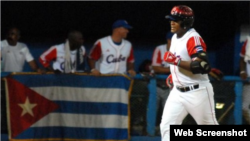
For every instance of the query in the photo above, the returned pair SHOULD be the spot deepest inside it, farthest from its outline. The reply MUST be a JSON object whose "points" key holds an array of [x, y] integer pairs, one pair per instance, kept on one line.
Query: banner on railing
{"points": [[68, 107]]}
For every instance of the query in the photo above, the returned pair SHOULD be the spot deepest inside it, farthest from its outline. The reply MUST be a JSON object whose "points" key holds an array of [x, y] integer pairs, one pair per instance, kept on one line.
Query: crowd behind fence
{"points": [[144, 117]]}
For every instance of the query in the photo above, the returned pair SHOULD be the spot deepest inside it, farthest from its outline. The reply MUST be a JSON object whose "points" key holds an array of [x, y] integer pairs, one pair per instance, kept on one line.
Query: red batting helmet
{"points": [[182, 13]]}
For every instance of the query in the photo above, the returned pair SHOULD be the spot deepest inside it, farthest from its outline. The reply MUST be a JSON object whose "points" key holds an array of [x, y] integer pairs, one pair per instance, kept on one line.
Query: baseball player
{"points": [[244, 74], [159, 66], [14, 53], [65, 56], [192, 92], [113, 54]]}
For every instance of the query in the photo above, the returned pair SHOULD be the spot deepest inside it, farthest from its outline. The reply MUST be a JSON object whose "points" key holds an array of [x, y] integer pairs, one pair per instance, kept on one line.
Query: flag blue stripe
{"points": [[74, 133], [115, 109], [71, 80], [91, 108]]}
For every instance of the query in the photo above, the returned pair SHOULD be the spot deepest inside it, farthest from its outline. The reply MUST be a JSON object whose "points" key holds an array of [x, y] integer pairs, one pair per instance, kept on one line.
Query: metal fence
{"points": [[224, 95], [145, 121]]}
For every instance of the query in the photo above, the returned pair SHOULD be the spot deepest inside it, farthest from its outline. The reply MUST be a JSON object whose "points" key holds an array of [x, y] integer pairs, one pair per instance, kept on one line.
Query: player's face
{"points": [[176, 28], [13, 36], [123, 32], [77, 41]]}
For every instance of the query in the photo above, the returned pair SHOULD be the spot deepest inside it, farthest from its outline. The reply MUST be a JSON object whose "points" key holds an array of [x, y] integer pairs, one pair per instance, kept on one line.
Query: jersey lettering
{"points": [[178, 56], [62, 66], [112, 59]]}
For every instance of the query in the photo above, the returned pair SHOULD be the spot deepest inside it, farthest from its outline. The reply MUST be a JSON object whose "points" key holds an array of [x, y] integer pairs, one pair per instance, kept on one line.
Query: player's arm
{"points": [[196, 48], [91, 63], [156, 63], [242, 62], [131, 69], [130, 66], [46, 58], [198, 65], [172, 59], [185, 65], [35, 67], [243, 73], [32, 63], [94, 55], [93, 70], [160, 69], [130, 63]]}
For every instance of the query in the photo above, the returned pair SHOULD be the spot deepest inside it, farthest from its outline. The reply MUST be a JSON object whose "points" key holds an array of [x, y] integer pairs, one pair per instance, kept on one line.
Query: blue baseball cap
{"points": [[121, 23]]}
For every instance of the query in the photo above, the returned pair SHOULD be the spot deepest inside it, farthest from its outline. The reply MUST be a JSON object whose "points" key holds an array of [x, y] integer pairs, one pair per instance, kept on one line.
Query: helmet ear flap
{"points": [[186, 23], [182, 25]]}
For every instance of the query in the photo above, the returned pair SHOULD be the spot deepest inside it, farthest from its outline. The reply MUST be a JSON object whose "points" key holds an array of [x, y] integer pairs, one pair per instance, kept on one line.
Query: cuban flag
{"points": [[68, 107]]}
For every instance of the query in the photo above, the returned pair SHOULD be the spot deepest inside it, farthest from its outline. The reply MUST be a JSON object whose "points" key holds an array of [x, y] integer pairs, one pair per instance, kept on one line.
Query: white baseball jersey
{"points": [[184, 47], [14, 57], [199, 101], [158, 56], [56, 54], [112, 58], [245, 53]]}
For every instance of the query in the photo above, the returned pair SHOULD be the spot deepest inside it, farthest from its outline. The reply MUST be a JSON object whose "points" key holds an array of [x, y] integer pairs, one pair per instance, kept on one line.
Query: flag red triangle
{"points": [[18, 95]]}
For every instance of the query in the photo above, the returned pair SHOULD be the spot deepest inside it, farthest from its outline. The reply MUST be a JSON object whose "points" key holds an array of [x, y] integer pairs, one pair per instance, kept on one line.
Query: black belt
{"points": [[188, 88]]}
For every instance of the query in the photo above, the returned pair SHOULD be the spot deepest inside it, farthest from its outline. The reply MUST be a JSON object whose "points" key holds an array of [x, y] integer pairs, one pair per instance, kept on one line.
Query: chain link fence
{"points": [[224, 99]]}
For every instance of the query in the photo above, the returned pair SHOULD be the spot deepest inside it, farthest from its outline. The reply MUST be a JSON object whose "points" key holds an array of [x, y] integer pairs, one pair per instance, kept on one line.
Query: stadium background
{"points": [[43, 24]]}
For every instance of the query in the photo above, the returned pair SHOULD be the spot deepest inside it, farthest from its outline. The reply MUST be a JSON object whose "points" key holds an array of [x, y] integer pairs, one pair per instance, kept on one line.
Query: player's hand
{"points": [[171, 58], [132, 73], [243, 75], [216, 74], [57, 71], [95, 72], [42, 71], [169, 81]]}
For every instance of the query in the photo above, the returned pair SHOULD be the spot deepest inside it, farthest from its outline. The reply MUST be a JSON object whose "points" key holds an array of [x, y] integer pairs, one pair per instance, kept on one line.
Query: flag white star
{"points": [[27, 107]]}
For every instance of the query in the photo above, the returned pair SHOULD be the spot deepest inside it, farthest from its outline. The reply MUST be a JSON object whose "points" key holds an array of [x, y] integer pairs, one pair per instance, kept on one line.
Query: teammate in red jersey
{"points": [[113, 54], [64, 56]]}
